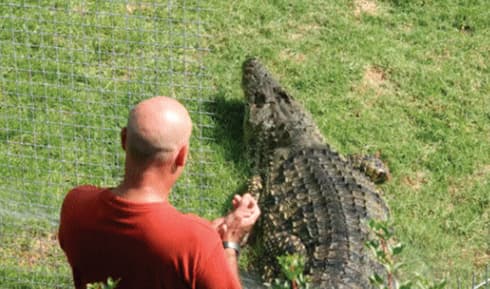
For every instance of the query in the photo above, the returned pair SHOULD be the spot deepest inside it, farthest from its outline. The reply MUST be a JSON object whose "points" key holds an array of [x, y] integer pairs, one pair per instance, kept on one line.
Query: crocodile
{"points": [[314, 201]]}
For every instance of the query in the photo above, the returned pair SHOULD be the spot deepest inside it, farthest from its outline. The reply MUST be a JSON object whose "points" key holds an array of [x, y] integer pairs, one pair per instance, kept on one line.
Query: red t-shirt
{"points": [[147, 246]]}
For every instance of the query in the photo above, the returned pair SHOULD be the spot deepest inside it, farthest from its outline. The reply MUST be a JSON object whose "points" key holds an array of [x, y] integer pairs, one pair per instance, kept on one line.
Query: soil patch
{"points": [[365, 7]]}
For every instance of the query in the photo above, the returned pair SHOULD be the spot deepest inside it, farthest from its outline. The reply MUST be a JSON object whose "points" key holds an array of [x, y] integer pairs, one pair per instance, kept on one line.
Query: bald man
{"points": [[133, 234]]}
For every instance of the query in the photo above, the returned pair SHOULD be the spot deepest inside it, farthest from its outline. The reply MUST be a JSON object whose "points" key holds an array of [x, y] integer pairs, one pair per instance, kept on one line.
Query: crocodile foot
{"points": [[372, 166]]}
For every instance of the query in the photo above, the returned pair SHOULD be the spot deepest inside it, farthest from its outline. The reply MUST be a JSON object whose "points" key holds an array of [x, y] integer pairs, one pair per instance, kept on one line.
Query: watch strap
{"points": [[233, 245]]}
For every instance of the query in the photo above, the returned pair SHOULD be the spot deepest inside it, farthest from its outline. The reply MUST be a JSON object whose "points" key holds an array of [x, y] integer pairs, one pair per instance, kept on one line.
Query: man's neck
{"points": [[142, 194], [148, 186]]}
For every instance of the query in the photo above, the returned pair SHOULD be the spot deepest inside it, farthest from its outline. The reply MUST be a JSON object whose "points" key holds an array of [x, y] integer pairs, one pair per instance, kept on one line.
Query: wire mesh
{"points": [[477, 280], [69, 73]]}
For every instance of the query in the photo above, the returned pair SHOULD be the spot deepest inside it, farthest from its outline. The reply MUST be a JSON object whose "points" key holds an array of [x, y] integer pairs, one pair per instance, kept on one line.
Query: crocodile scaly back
{"points": [[313, 201]]}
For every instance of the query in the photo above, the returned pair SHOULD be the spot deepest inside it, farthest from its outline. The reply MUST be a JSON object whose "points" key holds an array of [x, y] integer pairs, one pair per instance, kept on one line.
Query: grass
{"points": [[407, 78]]}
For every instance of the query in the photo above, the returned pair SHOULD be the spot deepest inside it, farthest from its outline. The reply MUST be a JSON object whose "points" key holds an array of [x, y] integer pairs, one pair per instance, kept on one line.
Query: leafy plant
{"points": [[110, 284], [292, 267], [385, 248]]}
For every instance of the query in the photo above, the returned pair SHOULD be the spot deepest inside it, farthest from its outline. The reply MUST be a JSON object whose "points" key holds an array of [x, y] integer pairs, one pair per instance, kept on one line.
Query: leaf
{"points": [[375, 279], [372, 244], [397, 249], [381, 254], [397, 266], [406, 285], [440, 285]]}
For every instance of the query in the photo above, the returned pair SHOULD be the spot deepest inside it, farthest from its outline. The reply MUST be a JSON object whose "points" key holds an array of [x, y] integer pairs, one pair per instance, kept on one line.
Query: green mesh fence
{"points": [[69, 73]]}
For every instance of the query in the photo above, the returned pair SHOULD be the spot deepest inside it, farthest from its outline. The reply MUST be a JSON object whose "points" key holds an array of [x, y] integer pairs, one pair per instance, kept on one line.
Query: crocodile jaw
{"points": [[259, 86]]}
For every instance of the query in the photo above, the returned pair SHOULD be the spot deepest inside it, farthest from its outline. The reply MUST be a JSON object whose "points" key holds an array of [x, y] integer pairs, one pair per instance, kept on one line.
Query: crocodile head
{"points": [[273, 119], [260, 88]]}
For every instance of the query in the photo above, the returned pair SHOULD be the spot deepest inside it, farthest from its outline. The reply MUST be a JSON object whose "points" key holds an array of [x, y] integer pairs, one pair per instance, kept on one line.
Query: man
{"points": [[133, 234]]}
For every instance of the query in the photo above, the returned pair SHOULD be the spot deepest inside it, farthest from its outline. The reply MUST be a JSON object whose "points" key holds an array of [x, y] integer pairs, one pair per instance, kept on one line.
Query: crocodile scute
{"points": [[313, 201]]}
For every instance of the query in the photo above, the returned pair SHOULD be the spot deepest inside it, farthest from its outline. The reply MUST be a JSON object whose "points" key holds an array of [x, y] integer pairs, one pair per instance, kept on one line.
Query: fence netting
{"points": [[70, 70], [69, 73]]}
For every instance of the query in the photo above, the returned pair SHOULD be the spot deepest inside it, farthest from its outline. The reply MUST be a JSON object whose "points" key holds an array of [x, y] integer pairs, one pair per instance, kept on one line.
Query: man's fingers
{"points": [[247, 197], [245, 201], [217, 222], [246, 207], [245, 213], [236, 201], [251, 219], [222, 229]]}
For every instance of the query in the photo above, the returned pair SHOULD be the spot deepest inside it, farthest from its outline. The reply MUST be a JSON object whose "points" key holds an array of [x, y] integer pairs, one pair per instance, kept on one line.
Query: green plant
{"points": [[386, 249], [110, 284], [292, 267]]}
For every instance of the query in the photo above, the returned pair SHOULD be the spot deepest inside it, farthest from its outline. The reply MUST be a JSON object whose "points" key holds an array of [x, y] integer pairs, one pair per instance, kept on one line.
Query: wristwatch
{"points": [[233, 245]]}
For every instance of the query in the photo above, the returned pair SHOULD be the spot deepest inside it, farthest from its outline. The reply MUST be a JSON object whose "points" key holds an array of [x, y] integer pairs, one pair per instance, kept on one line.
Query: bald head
{"points": [[157, 129]]}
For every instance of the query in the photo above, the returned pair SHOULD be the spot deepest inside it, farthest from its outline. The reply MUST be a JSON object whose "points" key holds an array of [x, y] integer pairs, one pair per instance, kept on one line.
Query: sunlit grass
{"points": [[407, 78]]}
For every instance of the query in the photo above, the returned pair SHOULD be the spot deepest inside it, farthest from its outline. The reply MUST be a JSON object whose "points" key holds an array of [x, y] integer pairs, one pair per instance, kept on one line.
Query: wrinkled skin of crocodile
{"points": [[313, 201]]}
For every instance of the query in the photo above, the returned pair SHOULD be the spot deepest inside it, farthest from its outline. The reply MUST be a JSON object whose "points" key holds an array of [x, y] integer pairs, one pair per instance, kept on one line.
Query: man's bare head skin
{"points": [[156, 141], [157, 128]]}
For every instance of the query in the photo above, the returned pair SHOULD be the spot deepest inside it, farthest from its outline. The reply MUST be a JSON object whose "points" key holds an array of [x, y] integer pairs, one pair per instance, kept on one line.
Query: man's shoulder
{"points": [[81, 193], [194, 224], [77, 207], [186, 229], [201, 224], [86, 189]]}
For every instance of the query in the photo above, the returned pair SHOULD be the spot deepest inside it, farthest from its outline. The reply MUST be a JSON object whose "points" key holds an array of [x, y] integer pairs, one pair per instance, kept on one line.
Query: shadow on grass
{"points": [[228, 117], [228, 131]]}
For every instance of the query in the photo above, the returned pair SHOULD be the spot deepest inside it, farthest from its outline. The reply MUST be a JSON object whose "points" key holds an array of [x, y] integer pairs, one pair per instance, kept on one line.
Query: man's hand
{"points": [[235, 226], [239, 222]]}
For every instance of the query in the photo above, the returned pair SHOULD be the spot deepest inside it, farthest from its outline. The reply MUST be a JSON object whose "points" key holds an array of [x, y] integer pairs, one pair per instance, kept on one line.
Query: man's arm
{"points": [[216, 272], [232, 259], [234, 227]]}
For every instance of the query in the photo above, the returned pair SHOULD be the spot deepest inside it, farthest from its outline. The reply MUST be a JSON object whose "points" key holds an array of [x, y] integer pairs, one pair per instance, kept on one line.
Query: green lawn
{"points": [[407, 78]]}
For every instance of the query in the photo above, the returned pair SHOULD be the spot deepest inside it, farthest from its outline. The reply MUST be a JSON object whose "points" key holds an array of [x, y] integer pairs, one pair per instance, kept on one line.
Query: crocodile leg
{"points": [[372, 166]]}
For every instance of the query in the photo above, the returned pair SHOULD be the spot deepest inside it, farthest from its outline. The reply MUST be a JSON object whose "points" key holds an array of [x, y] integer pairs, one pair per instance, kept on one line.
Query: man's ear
{"points": [[182, 156], [124, 135]]}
